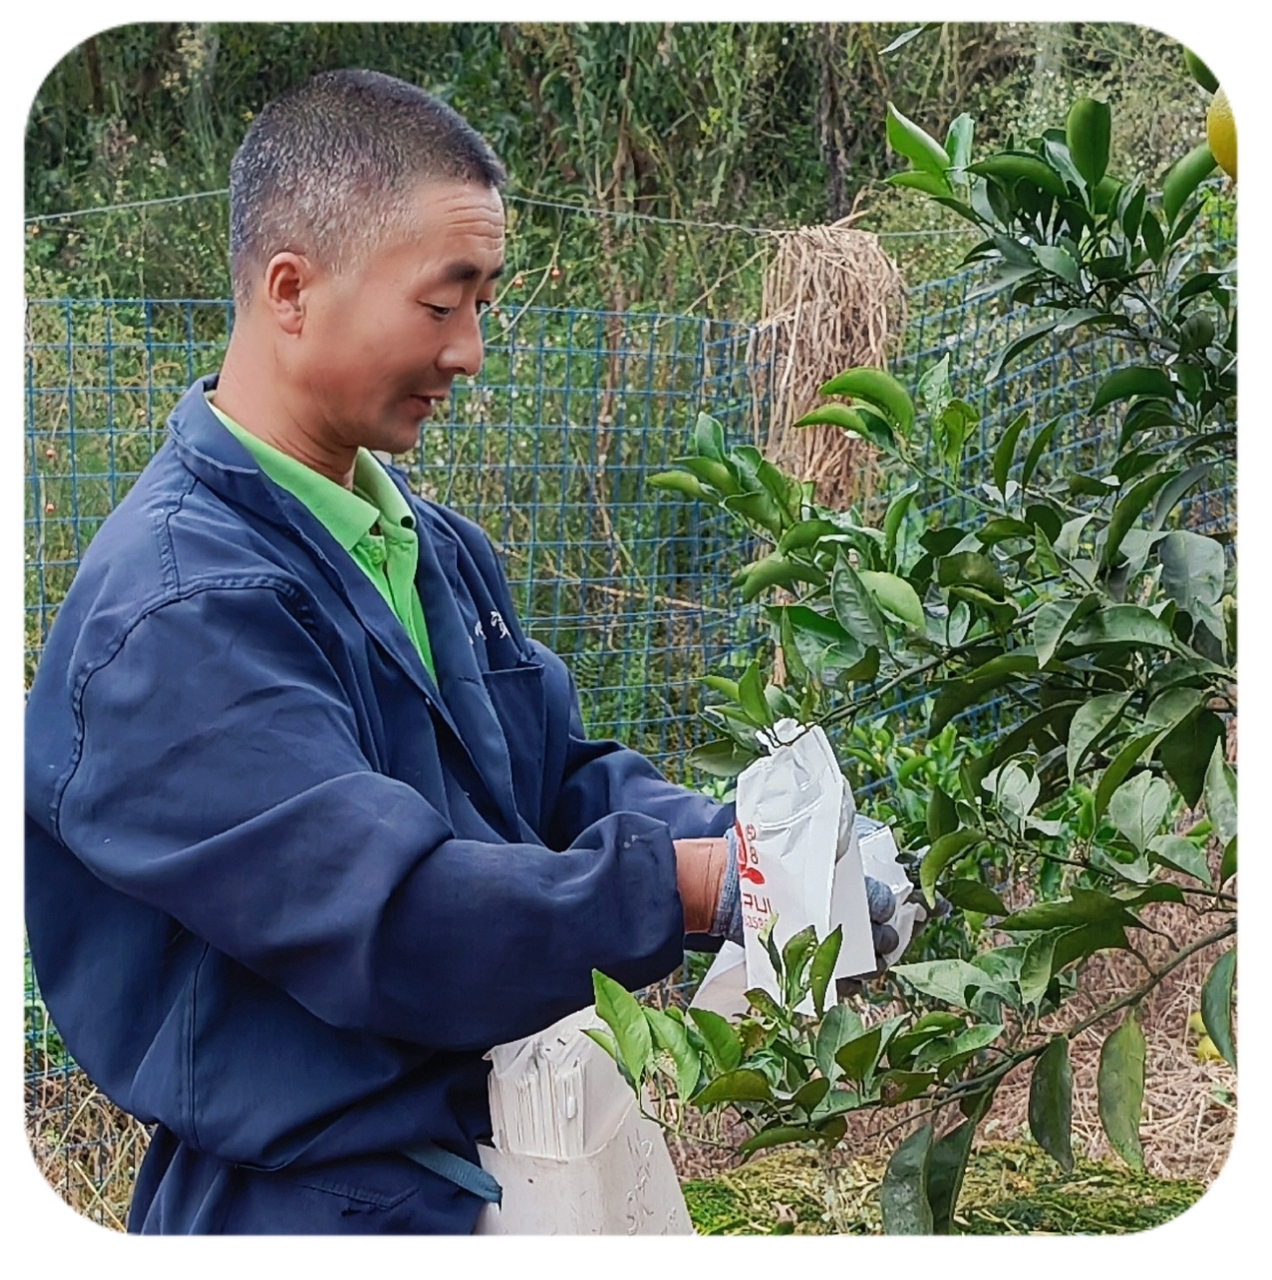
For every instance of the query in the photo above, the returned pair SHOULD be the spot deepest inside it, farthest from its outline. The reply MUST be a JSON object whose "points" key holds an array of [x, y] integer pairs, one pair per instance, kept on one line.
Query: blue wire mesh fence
{"points": [[549, 449]]}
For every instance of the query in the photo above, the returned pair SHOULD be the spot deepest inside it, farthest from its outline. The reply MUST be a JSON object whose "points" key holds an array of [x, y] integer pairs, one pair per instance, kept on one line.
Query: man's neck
{"points": [[259, 403]]}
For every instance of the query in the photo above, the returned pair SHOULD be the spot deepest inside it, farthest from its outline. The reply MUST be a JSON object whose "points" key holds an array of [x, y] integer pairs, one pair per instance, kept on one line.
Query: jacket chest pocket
{"points": [[517, 694]]}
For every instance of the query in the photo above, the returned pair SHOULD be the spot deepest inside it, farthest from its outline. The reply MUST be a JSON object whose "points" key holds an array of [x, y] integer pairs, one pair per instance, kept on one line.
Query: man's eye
{"points": [[440, 312]]}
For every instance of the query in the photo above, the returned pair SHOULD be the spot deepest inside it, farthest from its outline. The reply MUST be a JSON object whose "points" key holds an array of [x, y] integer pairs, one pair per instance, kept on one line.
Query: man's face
{"points": [[382, 341]]}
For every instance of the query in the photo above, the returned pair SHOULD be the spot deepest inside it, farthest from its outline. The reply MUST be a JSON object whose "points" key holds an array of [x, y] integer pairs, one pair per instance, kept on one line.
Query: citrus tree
{"points": [[1084, 603]]}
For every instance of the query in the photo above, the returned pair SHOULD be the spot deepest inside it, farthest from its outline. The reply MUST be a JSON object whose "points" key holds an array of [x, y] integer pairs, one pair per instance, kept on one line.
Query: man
{"points": [[311, 824]]}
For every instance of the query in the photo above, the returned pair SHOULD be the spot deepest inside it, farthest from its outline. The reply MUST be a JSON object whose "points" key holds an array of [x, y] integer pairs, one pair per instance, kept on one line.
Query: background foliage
{"points": [[758, 125], [1082, 601]]}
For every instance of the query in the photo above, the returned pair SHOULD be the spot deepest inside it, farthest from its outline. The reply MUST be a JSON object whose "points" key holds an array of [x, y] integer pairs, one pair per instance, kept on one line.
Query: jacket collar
{"points": [[210, 451]]}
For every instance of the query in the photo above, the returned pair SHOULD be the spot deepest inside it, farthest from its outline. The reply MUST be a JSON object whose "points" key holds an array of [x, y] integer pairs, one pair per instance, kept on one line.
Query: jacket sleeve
{"points": [[218, 777]]}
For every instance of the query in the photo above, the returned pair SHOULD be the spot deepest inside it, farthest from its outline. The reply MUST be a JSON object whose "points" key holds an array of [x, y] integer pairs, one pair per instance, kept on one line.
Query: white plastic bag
{"points": [[879, 861], [798, 854], [571, 1151], [724, 986]]}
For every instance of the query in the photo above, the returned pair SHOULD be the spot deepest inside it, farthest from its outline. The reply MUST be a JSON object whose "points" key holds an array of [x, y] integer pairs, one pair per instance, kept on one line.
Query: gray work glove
{"points": [[882, 904]]}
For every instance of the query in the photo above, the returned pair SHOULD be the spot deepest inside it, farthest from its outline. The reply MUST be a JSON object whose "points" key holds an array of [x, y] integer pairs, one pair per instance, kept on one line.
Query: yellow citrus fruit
{"points": [[1206, 1051], [1221, 134]]}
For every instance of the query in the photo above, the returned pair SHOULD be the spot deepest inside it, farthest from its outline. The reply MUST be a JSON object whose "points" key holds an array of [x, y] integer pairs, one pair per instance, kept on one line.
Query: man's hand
{"points": [[882, 905], [700, 872]]}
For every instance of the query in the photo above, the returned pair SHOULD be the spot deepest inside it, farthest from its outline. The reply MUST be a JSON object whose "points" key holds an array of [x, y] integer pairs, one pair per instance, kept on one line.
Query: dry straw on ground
{"points": [[832, 300]]}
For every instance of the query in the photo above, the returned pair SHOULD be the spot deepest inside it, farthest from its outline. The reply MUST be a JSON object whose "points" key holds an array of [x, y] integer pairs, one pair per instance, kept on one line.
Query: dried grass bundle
{"points": [[832, 299]]}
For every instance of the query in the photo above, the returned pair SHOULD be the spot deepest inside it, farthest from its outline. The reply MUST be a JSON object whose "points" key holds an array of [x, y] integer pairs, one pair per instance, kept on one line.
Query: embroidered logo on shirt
{"points": [[496, 620]]}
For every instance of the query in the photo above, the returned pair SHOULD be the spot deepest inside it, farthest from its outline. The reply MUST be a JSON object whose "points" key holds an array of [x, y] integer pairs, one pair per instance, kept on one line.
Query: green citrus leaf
{"points": [[823, 967], [1121, 1089], [680, 482], [1128, 756], [708, 438], [895, 596], [942, 817], [744, 1085], [1036, 966], [721, 1039], [941, 854], [1221, 796], [946, 1168], [1091, 721], [1139, 807], [972, 569], [1183, 855], [878, 389], [1051, 1103], [854, 606], [1186, 751], [947, 980], [1216, 1005], [917, 145], [896, 1087], [841, 1024], [1138, 380], [1010, 169], [856, 1057], [971, 895], [903, 1194], [672, 1036], [1199, 72], [1122, 624], [620, 1011], [1086, 906], [779, 1135], [722, 758]]}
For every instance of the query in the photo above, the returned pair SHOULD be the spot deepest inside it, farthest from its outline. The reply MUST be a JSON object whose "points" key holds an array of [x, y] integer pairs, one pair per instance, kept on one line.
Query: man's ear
{"points": [[288, 278]]}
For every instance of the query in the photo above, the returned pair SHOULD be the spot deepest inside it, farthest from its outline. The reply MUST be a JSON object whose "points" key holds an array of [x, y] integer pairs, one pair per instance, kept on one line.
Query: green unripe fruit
{"points": [[1197, 332], [1200, 72], [1086, 815]]}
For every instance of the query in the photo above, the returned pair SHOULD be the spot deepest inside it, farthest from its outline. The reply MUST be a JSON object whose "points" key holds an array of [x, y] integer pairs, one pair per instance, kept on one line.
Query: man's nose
{"points": [[464, 351]]}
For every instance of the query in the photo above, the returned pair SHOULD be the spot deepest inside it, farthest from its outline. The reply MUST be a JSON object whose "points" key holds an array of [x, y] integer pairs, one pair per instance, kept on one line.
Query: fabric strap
{"points": [[463, 1173]]}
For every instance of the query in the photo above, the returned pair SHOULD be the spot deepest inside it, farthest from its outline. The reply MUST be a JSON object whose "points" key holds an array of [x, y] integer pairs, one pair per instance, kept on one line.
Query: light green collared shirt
{"points": [[373, 523]]}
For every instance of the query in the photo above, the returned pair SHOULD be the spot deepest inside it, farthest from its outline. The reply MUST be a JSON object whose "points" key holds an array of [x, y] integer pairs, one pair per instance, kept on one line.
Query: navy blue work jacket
{"points": [[283, 890]]}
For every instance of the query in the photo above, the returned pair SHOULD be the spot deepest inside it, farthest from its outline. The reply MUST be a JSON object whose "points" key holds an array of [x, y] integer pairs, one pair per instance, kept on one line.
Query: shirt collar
{"points": [[373, 483], [347, 516]]}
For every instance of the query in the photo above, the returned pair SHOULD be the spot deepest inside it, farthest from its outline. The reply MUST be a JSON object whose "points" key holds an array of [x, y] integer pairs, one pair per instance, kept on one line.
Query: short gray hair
{"points": [[328, 168]]}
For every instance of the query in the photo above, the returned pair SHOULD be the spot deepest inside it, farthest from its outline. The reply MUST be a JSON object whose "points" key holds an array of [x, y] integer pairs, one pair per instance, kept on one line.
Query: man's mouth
{"points": [[424, 404]]}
